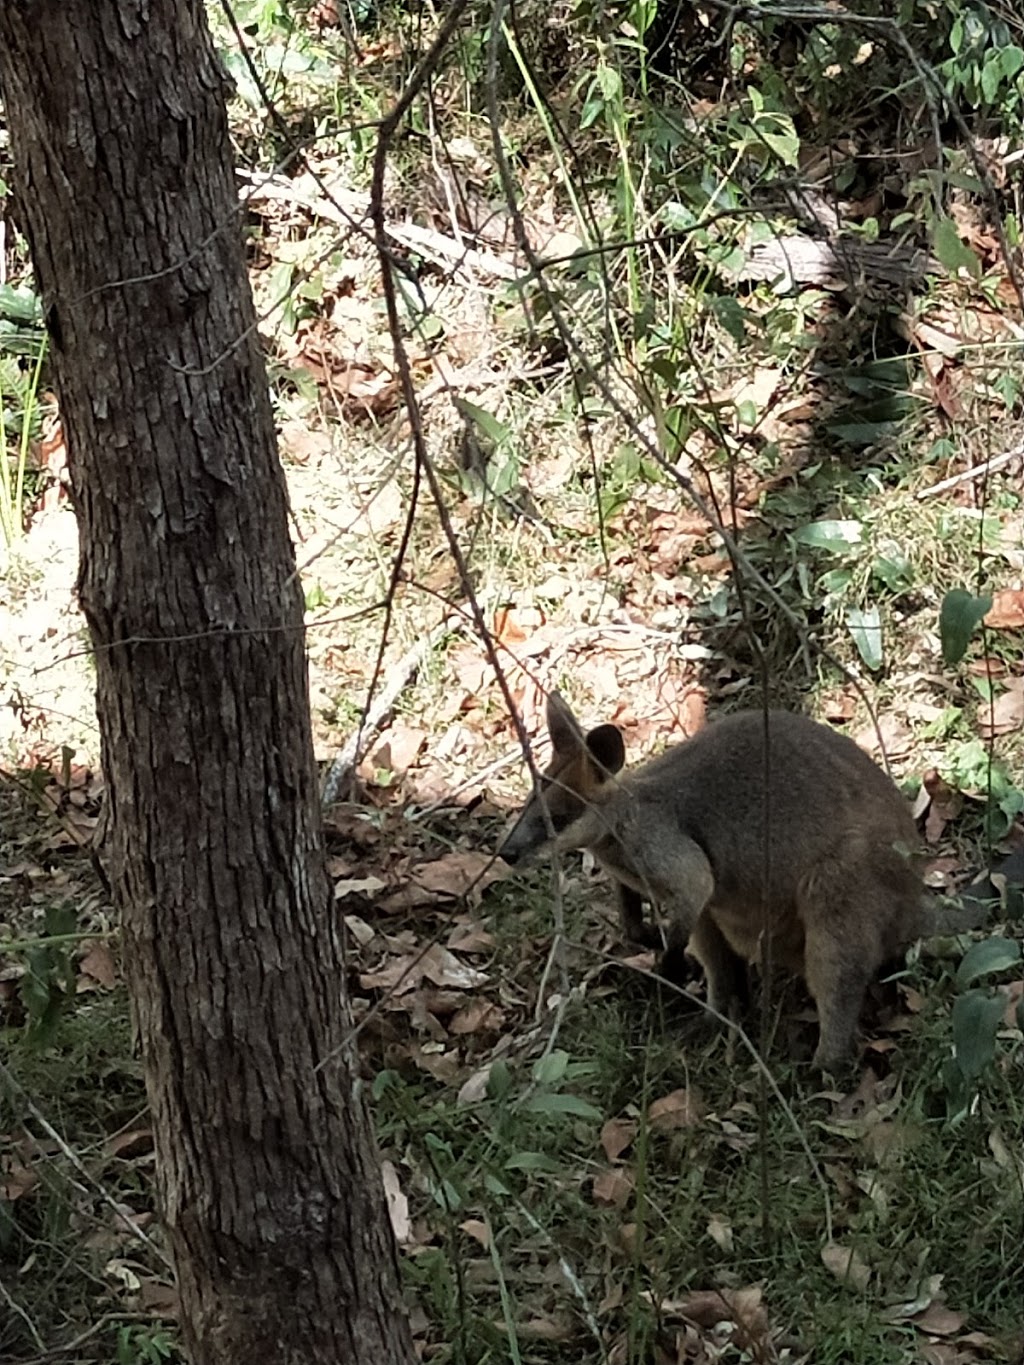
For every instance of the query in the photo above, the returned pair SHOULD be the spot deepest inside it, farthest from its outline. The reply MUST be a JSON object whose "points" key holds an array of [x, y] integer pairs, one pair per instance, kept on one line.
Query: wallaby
{"points": [[830, 880]]}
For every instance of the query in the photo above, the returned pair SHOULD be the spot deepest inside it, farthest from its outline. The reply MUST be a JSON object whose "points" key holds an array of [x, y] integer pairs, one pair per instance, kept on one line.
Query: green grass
{"points": [[914, 1195]]}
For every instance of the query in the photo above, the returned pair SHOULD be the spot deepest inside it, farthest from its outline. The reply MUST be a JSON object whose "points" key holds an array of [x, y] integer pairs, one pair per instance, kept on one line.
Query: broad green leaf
{"points": [[866, 628], [550, 1070], [592, 110], [20, 304], [958, 616], [731, 315], [991, 77], [893, 567], [499, 1079], [609, 82], [531, 1161], [1012, 59], [990, 955], [830, 535], [786, 146], [488, 424], [677, 217], [561, 1104], [952, 252], [976, 1019]]}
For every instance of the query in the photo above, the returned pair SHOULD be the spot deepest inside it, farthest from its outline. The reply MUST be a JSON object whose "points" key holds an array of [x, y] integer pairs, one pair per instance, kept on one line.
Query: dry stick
{"points": [[736, 555], [707, 509], [979, 471], [22, 1313], [398, 677], [79, 1166], [68, 1349], [388, 127], [755, 1056]]}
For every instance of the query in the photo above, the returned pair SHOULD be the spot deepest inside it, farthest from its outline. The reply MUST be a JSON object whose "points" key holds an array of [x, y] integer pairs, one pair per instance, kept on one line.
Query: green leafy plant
{"points": [[143, 1345], [978, 1015], [49, 980], [959, 616], [18, 403]]}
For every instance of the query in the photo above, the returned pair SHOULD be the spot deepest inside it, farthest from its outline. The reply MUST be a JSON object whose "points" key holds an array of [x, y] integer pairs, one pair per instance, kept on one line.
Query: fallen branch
{"points": [[399, 676], [979, 471]]}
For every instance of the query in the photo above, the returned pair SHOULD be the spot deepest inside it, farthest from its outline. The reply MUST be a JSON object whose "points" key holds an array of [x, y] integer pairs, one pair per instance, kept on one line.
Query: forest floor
{"points": [[576, 1169]]}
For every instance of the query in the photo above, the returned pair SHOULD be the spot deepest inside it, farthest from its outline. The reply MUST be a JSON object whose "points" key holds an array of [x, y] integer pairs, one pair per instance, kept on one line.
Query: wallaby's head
{"points": [[580, 766]]}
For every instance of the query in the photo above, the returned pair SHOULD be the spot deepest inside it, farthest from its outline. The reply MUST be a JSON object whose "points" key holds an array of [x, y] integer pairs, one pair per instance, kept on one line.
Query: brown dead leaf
{"points": [[397, 749], [720, 1232], [466, 872], [132, 1142], [362, 933], [443, 968], [613, 1187], [98, 966], [896, 738], [474, 1089], [709, 1307], [16, 1180], [159, 1299], [478, 1230], [398, 1204], [507, 629], [1006, 713], [944, 805], [302, 444], [470, 938], [471, 669], [478, 1016], [939, 1321], [680, 1109], [438, 965], [838, 707], [459, 872], [987, 667], [846, 1265], [616, 1136], [1007, 610]]}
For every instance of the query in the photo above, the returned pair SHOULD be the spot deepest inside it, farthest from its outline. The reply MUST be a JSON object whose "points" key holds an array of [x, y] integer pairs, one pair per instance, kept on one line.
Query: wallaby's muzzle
{"points": [[526, 836]]}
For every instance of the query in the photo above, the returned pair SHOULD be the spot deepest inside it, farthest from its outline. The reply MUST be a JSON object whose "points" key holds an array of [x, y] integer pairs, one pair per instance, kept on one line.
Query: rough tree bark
{"points": [[268, 1175]]}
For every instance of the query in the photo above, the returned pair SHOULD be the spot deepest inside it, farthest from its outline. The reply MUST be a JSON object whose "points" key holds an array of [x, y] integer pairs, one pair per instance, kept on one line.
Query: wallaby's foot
{"points": [[635, 929], [826, 1060], [645, 936], [675, 966]]}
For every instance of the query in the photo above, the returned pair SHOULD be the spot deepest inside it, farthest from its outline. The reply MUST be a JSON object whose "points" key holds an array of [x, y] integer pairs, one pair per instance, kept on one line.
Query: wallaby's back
{"points": [[824, 800]]}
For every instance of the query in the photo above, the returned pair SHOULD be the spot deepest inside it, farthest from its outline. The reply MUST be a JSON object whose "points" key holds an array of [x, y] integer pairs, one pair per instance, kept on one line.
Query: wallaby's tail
{"points": [[991, 893]]}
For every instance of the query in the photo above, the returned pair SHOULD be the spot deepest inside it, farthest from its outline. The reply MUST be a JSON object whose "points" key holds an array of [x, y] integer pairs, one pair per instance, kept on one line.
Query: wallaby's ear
{"points": [[607, 748], [563, 727]]}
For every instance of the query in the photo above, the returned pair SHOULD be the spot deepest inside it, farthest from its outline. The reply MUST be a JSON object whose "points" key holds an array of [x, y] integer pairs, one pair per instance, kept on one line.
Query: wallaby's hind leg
{"points": [[635, 929], [726, 972], [837, 975]]}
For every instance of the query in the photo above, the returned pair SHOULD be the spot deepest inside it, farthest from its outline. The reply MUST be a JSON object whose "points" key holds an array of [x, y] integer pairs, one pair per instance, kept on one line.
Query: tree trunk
{"points": [[268, 1176]]}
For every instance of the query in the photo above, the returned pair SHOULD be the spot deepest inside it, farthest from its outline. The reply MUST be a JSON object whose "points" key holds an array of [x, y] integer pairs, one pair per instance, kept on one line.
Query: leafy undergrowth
{"points": [[577, 1167]]}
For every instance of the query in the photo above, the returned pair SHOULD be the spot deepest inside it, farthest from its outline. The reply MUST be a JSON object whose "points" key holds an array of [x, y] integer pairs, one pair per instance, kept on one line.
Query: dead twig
{"points": [[979, 471], [399, 676]]}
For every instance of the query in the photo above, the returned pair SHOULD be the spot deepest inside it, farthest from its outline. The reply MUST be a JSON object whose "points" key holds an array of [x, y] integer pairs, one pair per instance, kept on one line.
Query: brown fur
{"points": [[833, 885]]}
